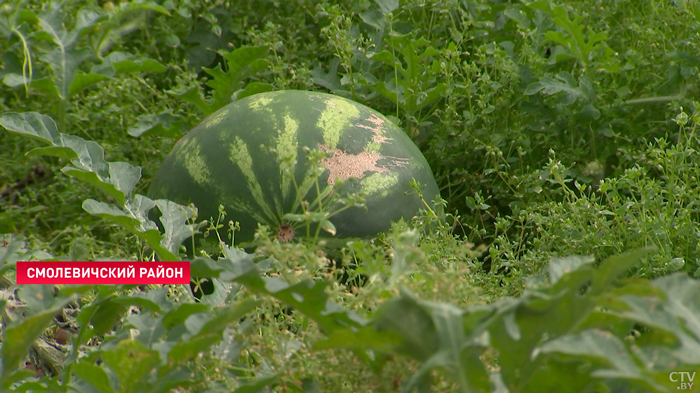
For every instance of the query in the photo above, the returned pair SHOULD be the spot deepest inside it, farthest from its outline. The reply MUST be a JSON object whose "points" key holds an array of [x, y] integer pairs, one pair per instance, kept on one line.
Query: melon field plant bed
{"points": [[255, 157]]}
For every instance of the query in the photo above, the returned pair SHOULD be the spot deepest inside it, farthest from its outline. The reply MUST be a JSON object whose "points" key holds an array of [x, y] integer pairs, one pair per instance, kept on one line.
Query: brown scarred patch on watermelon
{"points": [[345, 166], [377, 129]]}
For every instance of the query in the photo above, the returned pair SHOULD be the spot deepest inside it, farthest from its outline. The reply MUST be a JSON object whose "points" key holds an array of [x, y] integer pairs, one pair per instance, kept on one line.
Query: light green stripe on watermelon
{"points": [[240, 155], [287, 149], [239, 205], [337, 116], [190, 157], [379, 183], [260, 101], [216, 119], [373, 147], [379, 130]]}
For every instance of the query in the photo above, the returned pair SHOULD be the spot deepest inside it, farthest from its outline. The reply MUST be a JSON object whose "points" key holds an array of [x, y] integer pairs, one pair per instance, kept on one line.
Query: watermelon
{"points": [[251, 156]]}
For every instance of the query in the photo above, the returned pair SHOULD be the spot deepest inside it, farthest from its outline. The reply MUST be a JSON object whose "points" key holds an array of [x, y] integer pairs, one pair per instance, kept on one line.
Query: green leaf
{"points": [[111, 212], [252, 88], [206, 329], [114, 178], [558, 267], [38, 298], [589, 112], [564, 83], [374, 18], [54, 151], [387, 6], [12, 252], [174, 218], [33, 125], [386, 89], [308, 297], [514, 13], [19, 335], [87, 18], [407, 318], [153, 300], [85, 156], [90, 155], [94, 375], [122, 63], [258, 384], [564, 377], [330, 80], [561, 39], [571, 37], [518, 325], [457, 355], [64, 59], [150, 328], [207, 323], [611, 268], [432, 95], [241, 63], [386, 57], [294, 217], [593, 343], [205, 267], [328, 227], [45, 84], [682, 299], [650, 312], [433, 333], [119, 184], [245, 61], [133, 218], [106, 316], [365, 339], [125, 7], [82, 81], [193, 95], [219, 295], [607, 353], [163, 123], [410, 49], [186, 350], [179, 314], [404, 250], [131, 362]]}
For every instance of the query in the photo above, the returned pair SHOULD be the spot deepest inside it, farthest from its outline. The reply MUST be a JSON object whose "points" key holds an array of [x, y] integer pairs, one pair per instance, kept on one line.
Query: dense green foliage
{"points": [[553, 129]]}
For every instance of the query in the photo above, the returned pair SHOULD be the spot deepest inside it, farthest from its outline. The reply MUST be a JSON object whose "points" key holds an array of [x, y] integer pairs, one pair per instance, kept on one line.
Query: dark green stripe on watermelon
{"points": [[236, 157]]}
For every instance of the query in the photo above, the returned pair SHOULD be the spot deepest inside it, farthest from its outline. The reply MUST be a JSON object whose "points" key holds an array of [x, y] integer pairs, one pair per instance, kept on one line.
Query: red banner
{"points": [[110, 273]]}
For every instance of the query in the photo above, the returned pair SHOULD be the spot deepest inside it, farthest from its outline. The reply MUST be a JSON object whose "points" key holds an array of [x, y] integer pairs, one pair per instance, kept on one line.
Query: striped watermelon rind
{"points": [[248, 155]]}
